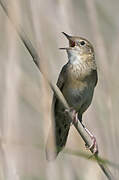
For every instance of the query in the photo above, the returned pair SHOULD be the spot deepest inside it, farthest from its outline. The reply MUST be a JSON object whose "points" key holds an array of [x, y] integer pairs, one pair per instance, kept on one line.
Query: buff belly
{"points": [[79, 99]]}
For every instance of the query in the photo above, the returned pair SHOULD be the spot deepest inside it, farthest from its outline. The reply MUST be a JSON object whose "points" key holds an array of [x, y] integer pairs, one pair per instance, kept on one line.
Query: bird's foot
{"points": [[94, 145]]}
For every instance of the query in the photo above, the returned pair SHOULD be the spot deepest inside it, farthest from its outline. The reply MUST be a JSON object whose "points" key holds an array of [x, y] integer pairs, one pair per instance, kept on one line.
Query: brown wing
{"points": [[96, 77], [61, 123], [60, 83]]}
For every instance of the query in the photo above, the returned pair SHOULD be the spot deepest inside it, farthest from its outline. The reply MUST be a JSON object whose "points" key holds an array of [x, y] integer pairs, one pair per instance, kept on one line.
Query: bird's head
{"points": [[79, 47]]}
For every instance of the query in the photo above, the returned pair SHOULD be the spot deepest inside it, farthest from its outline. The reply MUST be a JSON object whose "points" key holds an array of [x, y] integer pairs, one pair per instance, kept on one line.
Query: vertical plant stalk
{"points": [[11, 100]]}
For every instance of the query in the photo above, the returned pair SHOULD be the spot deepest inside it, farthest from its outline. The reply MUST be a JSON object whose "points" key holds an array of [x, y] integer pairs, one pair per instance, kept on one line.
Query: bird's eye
{"points": [[82, 43]]}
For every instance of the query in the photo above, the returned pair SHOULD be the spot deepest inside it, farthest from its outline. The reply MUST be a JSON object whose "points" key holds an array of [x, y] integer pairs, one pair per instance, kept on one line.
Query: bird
{"points": [[77, 81]]}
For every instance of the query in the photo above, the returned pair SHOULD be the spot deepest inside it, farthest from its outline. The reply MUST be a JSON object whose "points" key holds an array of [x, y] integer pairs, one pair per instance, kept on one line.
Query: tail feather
{"points": [[57, 140]]}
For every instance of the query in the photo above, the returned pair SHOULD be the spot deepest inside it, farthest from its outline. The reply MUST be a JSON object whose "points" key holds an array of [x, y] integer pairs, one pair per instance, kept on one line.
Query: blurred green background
{"points": [[25, 99]]}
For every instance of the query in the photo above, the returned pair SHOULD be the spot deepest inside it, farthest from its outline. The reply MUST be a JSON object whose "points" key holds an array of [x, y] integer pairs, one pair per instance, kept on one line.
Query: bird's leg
{"points": [[94, 145], [75, 118]]}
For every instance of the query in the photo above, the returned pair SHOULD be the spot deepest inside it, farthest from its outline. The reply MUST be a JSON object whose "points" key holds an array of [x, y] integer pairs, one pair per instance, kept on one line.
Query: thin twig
{"points": [[36, 59]]}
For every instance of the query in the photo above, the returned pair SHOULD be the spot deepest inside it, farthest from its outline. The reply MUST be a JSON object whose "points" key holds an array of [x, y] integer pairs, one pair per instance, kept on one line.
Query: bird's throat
{"points": [[74, 59]]}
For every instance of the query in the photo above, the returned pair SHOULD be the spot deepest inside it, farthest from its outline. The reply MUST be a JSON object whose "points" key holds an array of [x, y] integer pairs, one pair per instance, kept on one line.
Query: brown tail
{"points": [[56, 142]]}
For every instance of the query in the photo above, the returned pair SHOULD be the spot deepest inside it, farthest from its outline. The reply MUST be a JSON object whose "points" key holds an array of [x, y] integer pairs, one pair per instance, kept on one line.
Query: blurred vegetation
{"points": [[26, 98]]}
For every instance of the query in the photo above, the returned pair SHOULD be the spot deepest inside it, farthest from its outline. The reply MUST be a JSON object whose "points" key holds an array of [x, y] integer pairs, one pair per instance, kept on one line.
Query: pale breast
{"points": [[78, 90]]}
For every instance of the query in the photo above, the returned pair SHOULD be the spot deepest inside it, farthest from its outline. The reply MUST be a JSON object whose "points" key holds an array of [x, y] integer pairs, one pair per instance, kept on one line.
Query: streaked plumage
{"points": [[76, 81]]}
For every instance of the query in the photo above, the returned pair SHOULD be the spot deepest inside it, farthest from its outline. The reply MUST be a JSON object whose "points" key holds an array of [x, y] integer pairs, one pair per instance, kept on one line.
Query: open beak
{"points": [[67, 36], [63, 48], [66, 48], [71, 39]]}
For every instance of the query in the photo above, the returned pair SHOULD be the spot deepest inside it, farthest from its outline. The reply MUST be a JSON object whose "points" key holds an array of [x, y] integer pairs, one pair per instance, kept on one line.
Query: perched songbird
{"points": [[77, 81]]}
